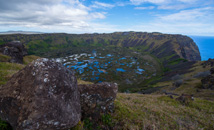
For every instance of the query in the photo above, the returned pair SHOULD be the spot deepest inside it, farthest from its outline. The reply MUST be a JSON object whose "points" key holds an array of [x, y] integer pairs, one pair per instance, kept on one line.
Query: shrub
{"points": [[88, 124], [4, 125], [79, 126], [4, 58], [106, 119]]}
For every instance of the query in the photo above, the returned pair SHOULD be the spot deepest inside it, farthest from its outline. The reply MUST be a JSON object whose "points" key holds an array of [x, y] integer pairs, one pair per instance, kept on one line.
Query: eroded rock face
{"points": [[209, 62], [208, 82], [15, 50], [42, 96], [97, 99], [188, 48]]}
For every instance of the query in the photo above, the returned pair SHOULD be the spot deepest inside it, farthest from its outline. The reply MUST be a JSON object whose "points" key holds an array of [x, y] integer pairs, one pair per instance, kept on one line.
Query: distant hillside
{"points": [[165, 47], [19, 32]]}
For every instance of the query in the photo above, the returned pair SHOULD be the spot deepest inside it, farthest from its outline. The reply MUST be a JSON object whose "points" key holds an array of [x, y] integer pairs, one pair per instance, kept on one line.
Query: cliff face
{"points": [[166, 47], [188, 49]]}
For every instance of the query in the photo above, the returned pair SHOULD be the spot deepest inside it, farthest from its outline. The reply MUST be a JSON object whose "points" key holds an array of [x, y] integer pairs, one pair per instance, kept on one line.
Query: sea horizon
{"points": [[205, 45]]}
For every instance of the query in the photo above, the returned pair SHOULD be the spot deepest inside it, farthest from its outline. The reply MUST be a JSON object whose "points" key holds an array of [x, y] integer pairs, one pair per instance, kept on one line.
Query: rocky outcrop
{"points": [[15, 50], [42, 96], [187, 48], [209, 62], [97, 99], [208, 81]]}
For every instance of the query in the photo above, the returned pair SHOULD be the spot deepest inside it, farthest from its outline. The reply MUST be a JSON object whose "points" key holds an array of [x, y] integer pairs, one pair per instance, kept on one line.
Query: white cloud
{"points": [[188, 1], [138, 2], [199, 14], [143, 8], [101, 5], [190, 22], [173, 7], [49, 14], [174, 4]]}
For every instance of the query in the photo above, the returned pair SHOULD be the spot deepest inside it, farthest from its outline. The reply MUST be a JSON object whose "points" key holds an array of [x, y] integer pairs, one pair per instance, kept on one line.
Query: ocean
{"points": [[205, 45]]}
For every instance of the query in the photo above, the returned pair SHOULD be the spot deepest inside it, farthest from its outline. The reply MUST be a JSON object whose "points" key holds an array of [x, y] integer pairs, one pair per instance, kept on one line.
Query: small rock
{"points": [[185, 98], [97, 98]]}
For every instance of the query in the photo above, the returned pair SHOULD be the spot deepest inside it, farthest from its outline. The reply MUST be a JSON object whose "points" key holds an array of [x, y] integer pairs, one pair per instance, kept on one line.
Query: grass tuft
{"points": [[4, 58], [79, 81], [7, 70], [137, 111], [30, 58]]}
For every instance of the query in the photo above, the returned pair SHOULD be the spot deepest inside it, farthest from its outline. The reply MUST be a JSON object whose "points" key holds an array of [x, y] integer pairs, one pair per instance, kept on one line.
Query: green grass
{"points": [[4, 58], [4, 125], [174, 62], [8, 69], [136, 111], [79, 81], [30, 58], [2, 42]]}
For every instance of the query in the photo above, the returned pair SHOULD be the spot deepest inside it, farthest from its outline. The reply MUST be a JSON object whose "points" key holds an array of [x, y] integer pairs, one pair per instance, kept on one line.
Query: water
{"points": [[100, 67], [206, 46], [121, 70]]}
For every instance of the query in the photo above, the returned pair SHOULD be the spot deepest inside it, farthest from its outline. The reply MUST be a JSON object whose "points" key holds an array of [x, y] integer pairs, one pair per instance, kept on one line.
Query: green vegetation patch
{"points": [[2, 42], [4, 58], [29, 58], [4, 125], [79, 81], [137, 111], [168, 57], [7, 70], [174, 62]]}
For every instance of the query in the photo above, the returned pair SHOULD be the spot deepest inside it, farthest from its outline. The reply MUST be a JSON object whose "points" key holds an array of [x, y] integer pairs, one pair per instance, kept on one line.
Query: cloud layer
{"points": [[82, 16], [71, 14]]}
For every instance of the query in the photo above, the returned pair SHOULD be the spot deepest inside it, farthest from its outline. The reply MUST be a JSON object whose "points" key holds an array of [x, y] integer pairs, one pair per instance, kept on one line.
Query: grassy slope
{"points": [[4, 58], [137, 111], [190, 84]]}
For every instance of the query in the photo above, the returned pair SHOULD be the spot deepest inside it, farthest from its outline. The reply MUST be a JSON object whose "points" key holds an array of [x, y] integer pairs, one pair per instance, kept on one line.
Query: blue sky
{"points": [[188, 17]]}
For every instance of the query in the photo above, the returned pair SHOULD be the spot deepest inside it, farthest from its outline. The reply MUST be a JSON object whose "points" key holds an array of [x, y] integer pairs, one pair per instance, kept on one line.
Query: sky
{"points": [[187, 17]]}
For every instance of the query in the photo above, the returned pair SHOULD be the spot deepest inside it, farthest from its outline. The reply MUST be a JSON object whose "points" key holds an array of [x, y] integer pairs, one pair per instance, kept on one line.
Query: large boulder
{"points": [[42, 96], [97, 99], [15, 50]]}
